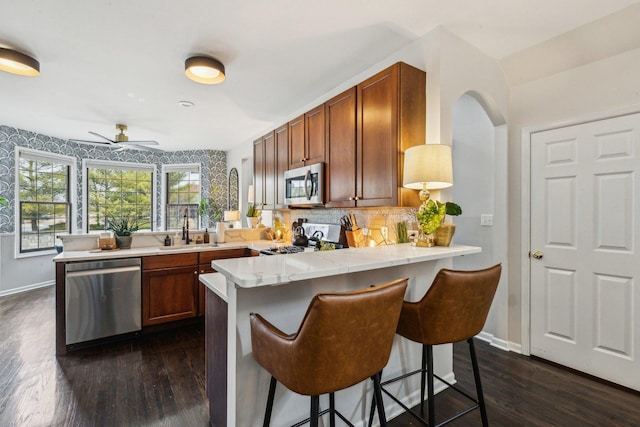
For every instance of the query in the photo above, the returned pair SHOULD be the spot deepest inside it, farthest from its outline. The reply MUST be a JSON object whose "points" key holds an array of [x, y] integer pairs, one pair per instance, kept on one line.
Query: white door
{"points": [[585, 222]]}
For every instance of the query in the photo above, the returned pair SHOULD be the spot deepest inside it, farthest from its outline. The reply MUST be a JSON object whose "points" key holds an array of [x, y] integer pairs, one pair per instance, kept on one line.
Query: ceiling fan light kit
{"points": [[16, 62], [204, 69]]}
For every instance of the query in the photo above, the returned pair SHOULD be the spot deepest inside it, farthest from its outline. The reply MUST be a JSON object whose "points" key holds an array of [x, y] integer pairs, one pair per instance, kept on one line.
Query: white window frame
{"points": [[92, 163], [31, 154], [179, 167]]}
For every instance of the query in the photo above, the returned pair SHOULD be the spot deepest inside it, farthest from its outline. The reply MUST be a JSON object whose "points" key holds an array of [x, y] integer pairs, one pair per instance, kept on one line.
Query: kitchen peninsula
{"points": [[280, 289]]}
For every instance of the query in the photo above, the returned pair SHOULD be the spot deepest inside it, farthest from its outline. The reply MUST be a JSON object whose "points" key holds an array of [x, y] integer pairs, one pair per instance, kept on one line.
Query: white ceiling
{"points": [[122, 61]]}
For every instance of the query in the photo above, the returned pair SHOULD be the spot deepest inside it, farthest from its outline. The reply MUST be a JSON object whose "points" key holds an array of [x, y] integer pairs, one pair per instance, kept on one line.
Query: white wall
{"points": [[23, 274], [601, 89]]}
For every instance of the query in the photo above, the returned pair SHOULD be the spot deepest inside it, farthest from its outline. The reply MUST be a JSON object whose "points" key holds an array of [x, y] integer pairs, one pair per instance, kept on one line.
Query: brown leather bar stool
{"points": [[344, 338], [453, 309]]}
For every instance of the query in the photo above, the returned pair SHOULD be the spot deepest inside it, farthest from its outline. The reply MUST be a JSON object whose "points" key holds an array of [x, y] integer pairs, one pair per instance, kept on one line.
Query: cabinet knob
{"points": [[350, 198], [195, 272], [356, 198]]}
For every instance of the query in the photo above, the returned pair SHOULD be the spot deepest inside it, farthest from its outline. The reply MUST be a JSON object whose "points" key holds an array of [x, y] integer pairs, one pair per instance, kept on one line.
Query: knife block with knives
{"points": [[353, 233]]}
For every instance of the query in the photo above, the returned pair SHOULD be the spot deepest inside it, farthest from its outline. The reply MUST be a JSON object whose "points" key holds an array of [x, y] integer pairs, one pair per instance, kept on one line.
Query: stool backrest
{"points": [[453, 309], [344, 338]]}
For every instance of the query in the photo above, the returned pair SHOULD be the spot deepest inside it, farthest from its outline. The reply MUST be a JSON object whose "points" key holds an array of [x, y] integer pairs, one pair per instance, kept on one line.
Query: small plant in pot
{"points": [[123, 227], [252, 215], [444, 233]]}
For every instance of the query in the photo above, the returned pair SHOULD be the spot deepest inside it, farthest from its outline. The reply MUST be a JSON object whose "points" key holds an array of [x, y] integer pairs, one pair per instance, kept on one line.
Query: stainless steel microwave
{"points": [[304, 186]]}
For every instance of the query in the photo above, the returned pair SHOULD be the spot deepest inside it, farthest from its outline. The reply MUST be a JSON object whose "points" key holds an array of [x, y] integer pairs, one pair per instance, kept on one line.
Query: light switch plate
{"points": [[486, 220]]}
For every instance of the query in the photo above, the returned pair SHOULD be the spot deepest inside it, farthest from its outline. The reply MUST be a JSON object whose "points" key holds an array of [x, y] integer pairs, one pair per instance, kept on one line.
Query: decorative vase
{"points": [[124, 242], [252, 221], [444, 234]]}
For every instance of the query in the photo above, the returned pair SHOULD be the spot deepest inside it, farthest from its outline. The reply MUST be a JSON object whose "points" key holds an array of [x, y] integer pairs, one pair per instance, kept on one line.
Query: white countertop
{"points": [[280, 269], [96, 254]]}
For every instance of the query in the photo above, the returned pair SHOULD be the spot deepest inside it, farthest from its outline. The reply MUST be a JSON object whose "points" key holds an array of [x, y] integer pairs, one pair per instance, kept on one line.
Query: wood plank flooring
{"points": [[158, 380]]}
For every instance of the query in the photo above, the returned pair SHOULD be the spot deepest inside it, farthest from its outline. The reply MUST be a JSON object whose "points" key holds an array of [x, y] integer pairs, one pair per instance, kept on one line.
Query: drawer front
{"points": [[169, 261]]}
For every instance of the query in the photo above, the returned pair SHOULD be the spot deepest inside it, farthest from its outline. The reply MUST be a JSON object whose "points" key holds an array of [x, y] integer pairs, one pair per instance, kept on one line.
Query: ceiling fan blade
{"points": [[111, 141], [84, 141], [139, 142]]}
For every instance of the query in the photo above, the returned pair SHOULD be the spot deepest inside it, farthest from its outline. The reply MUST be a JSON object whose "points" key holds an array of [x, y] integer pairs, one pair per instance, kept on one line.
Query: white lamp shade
{"points": [[231, 215], [251, 195], [428, 164]]}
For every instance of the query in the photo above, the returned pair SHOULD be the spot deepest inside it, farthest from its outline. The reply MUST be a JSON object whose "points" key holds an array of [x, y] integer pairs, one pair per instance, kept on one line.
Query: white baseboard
{"points": [[500, 343], [27, 288]]}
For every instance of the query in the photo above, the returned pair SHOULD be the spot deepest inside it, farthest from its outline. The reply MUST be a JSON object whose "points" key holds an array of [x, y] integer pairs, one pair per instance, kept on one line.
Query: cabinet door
{"points": [[268, 198], [296, 142], [258, 172], [169, 294], [314, 135], [281, 163], [377, 169], [340, 169]]}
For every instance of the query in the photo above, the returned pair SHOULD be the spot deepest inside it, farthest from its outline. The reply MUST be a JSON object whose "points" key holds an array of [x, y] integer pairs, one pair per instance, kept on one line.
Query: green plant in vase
{"points": [[123, 227], [252, 215]]}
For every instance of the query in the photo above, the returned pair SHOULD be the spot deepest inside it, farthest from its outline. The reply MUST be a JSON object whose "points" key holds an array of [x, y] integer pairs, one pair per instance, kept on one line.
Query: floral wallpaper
{"points": [[213, 167]]}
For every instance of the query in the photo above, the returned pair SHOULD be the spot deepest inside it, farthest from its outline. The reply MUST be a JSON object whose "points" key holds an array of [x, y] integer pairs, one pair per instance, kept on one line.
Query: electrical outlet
{"points": [[486, 220], [384, 230]]}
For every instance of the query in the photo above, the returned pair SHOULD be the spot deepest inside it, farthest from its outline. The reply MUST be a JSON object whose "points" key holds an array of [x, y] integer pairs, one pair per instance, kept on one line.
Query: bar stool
{"points": [[453, 309], [344, 338]]}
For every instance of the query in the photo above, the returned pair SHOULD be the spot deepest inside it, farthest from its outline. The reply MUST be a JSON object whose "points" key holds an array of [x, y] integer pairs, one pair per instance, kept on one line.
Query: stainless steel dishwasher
{"points": [[102, 299]]}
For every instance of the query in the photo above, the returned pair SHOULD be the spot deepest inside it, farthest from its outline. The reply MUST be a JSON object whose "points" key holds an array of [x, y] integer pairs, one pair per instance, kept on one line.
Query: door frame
{"points": [[525, 207]]}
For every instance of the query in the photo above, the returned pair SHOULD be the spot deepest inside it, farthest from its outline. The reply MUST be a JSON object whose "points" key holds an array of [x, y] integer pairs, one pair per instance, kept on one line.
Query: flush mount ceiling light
{"points": [[16, 62], [204, 69]]}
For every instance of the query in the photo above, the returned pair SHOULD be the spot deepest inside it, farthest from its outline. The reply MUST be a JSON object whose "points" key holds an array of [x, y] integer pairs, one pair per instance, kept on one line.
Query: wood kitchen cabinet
{"points": [[368, 128], [169, 288], [264, 171], [341, 153], [205, 267], [281, 164], [306, 138]]}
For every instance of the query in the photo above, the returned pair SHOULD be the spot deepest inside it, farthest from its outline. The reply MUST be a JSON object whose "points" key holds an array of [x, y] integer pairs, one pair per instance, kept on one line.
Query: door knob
{"points": [[537, 254]]}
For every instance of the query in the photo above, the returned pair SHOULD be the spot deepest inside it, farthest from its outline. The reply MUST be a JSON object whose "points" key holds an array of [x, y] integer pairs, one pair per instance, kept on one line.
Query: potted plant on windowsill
{"points": [[123, 227]]}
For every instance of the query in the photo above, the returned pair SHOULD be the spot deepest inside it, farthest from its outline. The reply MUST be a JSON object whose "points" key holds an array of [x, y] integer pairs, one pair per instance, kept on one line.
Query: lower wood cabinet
{"points": [[169, 288]]}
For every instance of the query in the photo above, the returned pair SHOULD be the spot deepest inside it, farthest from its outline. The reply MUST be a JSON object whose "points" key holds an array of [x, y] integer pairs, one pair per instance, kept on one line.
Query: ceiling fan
{"points": [[121, 140]]}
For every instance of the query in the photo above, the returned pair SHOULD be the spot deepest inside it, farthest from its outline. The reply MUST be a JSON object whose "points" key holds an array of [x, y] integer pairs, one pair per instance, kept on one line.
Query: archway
{"points": [[480, 188]]}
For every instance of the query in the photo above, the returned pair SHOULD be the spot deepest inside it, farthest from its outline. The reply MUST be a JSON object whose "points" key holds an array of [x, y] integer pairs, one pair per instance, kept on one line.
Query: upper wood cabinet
{"points": [[391, 117], [306, 138], [264, 171], [341, 156], [281, 163]]}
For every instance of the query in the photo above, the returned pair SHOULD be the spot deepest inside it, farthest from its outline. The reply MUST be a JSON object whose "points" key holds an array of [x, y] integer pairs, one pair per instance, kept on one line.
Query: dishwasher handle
{"points": [[95, 272]]}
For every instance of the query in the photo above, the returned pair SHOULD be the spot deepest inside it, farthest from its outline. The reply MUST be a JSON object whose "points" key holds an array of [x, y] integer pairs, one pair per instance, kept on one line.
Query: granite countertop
{"points": [[97, 254], [281, 269]]}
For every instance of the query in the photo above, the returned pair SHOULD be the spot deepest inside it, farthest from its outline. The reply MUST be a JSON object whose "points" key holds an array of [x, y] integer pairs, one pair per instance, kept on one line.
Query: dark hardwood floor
{"points": [[158, 380]]}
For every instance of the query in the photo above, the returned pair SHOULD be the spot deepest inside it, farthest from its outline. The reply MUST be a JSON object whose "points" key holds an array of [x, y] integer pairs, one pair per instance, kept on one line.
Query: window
{"points": [[182, 195], [43, 208], [117, 189]]}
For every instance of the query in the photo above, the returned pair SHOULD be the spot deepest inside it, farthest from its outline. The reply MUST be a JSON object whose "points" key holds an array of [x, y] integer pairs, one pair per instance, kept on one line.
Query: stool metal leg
{"points": [[431, 393], [332, 410], [315, 409], [423, 374], [476, 375], [272, 393], [377, 393]]}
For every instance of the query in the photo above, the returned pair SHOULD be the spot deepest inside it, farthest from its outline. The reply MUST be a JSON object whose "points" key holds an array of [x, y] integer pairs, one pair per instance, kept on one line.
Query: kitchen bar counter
{"points": [[280, 288]]}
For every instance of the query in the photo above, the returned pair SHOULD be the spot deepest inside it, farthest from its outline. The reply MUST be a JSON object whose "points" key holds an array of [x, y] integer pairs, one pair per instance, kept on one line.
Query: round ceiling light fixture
{"points": [[204, 69], [16, 62]]}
